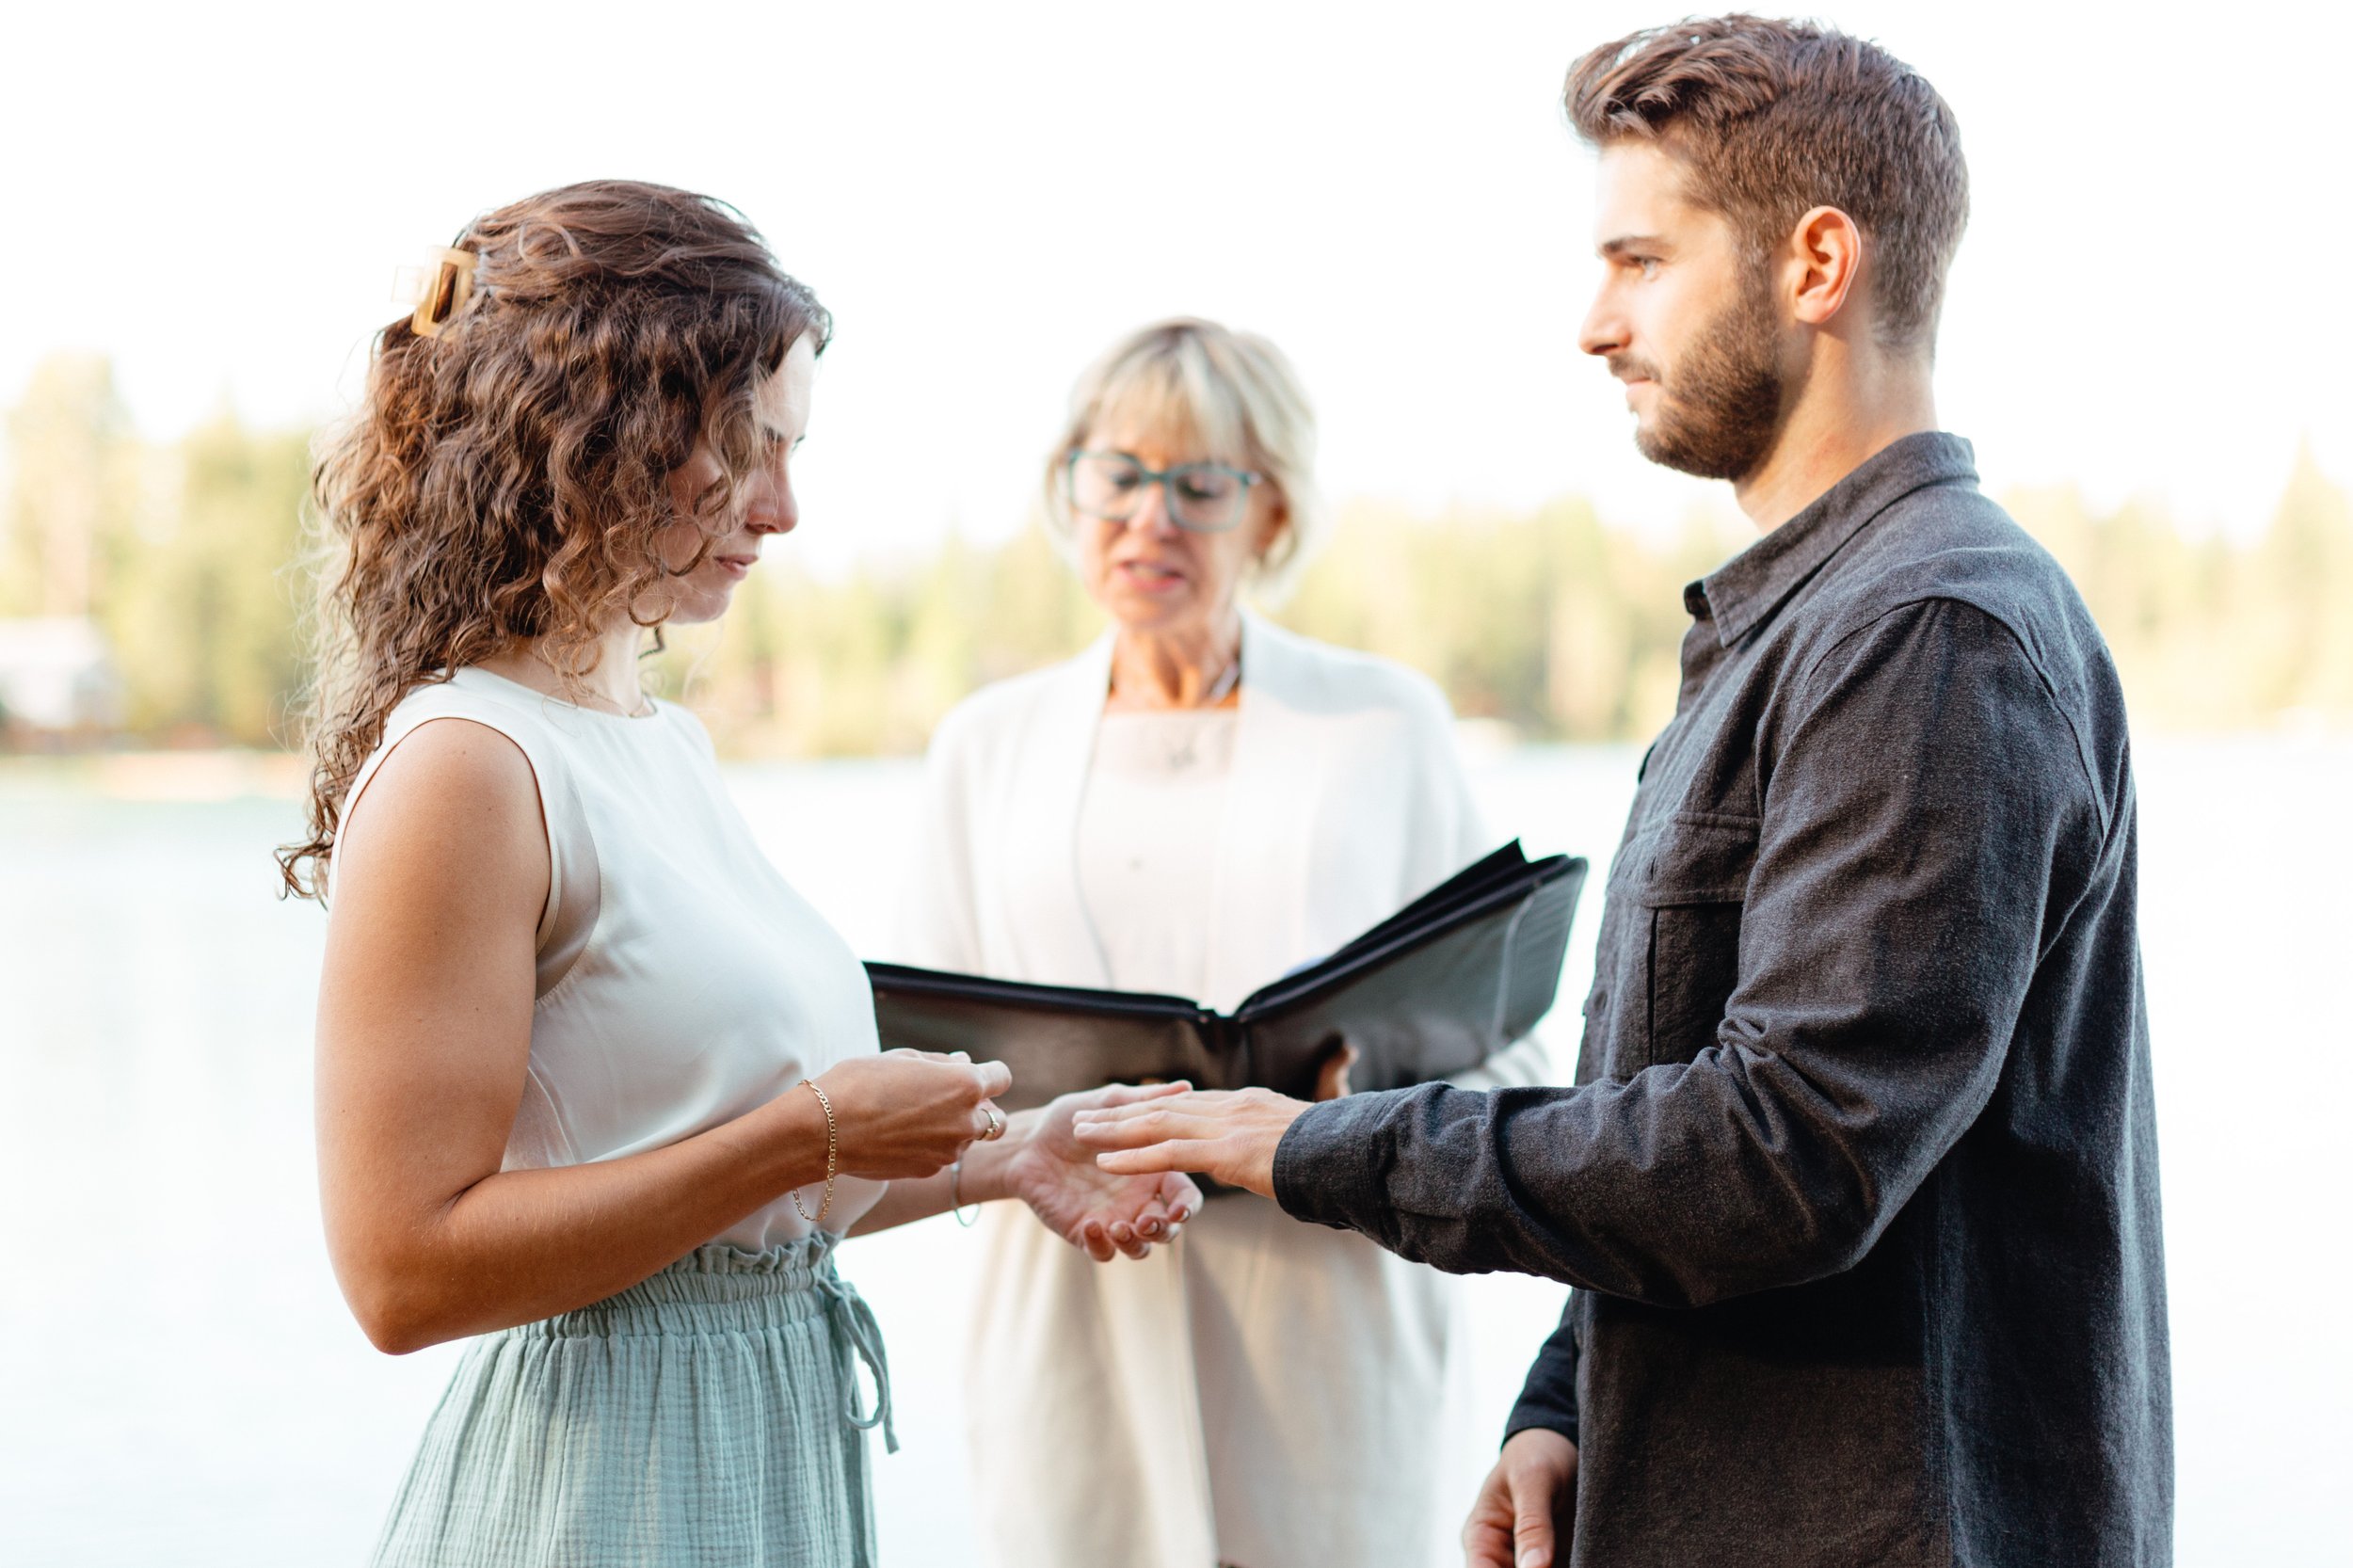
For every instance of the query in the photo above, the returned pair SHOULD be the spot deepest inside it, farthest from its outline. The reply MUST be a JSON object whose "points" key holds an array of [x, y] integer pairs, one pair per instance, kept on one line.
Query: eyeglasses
{"points": [[1208, 497]]}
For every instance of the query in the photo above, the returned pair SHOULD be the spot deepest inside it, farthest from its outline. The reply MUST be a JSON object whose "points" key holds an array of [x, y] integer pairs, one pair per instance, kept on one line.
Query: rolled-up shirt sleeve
{"points": [[1926, 819]]}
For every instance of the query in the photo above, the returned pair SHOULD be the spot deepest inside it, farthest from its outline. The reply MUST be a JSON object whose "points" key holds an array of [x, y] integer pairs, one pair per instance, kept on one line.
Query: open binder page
{"points": [[1434, 989]]}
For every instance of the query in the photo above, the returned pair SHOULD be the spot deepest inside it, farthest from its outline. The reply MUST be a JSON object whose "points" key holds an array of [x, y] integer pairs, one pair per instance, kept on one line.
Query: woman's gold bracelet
{"points": [[832, 1148]]}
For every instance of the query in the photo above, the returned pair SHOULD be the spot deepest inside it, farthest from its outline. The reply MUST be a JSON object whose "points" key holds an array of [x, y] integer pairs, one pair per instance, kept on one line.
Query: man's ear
{"points": [[1826, 257]]}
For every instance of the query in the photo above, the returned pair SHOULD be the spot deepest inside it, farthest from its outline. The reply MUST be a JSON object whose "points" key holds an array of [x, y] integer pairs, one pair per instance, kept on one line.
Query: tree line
{"points": [[1554, 621]]}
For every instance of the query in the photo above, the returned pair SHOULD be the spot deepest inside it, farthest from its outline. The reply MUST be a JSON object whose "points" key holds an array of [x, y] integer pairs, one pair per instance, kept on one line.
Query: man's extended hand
{"points": [[1527, 1507], [1230, 1136]]}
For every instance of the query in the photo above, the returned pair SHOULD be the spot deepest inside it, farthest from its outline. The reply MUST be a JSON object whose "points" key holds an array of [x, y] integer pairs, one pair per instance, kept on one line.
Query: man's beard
{"points": [[1720, 413]]}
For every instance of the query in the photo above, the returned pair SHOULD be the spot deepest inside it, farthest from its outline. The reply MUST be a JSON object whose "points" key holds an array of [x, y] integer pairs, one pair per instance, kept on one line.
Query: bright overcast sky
{"points": [[2151, 299]]}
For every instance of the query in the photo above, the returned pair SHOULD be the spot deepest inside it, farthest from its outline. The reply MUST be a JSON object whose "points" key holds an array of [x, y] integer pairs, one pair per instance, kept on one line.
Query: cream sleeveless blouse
{"points": [[682, 980]]}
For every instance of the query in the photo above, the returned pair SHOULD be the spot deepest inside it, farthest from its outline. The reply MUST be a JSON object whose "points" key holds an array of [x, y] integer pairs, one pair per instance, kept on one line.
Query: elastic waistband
{"points": [[713, 1290], [725, 1290]]}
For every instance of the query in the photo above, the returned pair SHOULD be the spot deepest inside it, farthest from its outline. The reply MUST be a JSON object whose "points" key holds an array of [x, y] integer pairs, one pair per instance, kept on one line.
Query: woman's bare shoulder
{"points": [[452, 805]]}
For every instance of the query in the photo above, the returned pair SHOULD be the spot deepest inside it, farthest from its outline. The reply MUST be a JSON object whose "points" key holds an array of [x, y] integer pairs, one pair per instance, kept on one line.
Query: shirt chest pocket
{"points": [[1692, 895]]}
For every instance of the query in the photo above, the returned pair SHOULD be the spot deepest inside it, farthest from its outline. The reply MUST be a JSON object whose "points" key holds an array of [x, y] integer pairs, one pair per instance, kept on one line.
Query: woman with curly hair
{"points": [[594, 1085]]}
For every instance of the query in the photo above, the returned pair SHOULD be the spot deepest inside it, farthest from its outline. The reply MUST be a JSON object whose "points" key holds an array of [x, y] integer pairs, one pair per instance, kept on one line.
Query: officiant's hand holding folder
{"points": [[1434, 990]]}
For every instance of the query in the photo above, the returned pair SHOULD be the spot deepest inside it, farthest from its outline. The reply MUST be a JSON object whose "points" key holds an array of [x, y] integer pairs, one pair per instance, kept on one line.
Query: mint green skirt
{"points": [[709, 1414]]}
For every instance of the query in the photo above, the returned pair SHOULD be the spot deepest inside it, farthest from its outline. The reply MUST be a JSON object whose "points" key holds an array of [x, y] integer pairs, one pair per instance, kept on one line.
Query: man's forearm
{"points": [[1731, 1174]]}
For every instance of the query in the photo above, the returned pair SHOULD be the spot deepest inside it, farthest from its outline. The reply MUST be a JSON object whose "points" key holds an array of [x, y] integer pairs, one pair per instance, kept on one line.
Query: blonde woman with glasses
{"points": [[1195, 803]]}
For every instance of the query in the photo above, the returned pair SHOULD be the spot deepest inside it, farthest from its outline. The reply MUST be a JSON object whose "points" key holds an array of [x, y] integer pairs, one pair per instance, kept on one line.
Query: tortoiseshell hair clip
{"points": [[442, 290]]}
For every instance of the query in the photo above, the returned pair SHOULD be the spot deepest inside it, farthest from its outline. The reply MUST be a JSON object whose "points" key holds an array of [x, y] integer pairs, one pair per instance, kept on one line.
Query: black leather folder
{"points": [[1436, 988]]}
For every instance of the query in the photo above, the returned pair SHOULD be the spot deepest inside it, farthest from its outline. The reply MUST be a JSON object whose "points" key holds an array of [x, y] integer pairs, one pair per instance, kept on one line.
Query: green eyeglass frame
{"points": [[1179, 505]]}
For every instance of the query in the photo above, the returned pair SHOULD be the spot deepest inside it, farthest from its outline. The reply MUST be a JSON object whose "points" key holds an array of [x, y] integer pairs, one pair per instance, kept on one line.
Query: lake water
{"points": [[181, 1384]]}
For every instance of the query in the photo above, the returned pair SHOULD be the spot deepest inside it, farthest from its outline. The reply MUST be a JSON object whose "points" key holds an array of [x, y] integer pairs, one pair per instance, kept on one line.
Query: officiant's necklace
{"points": [[1184, 754]]}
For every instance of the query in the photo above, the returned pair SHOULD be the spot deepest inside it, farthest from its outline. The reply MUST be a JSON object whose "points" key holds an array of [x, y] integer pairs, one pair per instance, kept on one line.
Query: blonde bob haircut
{"points": [[1231, 396]]}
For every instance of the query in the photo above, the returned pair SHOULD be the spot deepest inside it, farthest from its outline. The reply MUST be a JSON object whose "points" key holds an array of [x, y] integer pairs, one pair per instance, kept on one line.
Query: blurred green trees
{"points": [[201, 614], [1552, 621], [75, 476], [179, 555]]}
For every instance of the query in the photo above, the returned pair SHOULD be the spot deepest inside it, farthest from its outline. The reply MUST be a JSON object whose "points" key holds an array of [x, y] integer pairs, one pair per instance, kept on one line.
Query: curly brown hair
{"points": [[506, 474]]}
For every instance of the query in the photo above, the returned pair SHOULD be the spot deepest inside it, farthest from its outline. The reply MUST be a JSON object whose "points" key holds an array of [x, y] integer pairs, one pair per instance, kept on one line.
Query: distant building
{"points": [[57, 676]]}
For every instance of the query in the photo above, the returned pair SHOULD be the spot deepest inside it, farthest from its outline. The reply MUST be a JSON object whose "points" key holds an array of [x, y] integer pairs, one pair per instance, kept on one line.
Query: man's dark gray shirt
{"points": [[1858, 1181]]}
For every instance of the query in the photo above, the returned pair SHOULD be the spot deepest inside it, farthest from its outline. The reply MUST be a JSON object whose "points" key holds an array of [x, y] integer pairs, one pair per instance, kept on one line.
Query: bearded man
{"points": [[1858, 1181]]}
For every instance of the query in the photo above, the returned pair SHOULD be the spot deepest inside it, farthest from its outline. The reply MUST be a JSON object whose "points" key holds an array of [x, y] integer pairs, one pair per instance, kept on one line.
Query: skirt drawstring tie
{"points": [[855, 1321]]}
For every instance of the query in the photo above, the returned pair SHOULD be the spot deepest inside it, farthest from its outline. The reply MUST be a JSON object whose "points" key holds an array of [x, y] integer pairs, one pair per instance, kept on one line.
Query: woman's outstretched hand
{"points": [[1100, 1212], [1228, 1135]]}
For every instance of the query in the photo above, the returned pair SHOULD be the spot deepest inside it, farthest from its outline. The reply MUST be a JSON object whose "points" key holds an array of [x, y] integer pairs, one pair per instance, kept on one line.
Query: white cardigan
{"points": [[1264, 1393]]}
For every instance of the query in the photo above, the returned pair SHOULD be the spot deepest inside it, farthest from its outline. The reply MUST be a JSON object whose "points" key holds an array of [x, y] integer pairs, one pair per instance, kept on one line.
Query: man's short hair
{"points": [[1772, 118]]}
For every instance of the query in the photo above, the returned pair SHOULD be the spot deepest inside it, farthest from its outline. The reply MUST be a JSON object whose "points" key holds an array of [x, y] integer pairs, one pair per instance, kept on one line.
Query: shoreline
{"points": [[216, 775], [192, 778]]}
